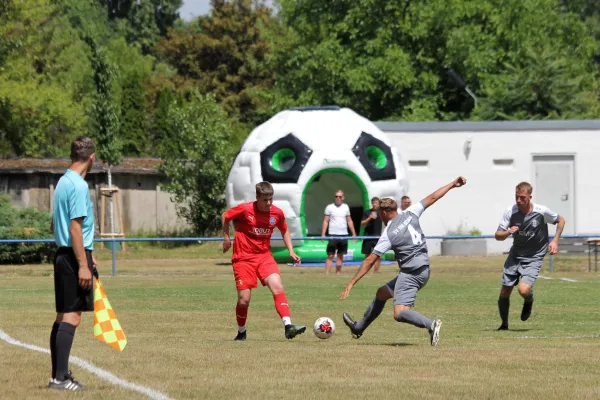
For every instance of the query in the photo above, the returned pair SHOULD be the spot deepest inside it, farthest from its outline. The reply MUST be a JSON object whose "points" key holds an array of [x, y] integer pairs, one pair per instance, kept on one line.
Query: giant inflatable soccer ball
{"points": [[308, 154]]}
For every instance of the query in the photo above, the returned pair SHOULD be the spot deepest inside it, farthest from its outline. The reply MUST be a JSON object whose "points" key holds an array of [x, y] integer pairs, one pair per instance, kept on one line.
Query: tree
{"points": [[144, 21], [224, 53], [197, 160], [42, 81], [106, 114], [541, 86], [389, 60]]}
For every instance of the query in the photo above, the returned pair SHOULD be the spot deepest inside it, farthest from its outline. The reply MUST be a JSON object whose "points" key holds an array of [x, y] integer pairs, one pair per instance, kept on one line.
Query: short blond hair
{"points": [[264, 189], [525, 186], [388, 204]]}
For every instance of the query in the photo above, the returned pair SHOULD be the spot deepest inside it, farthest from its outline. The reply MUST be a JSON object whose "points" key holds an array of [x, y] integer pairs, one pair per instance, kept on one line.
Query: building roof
{"points": [[140, 166], [489, 126]]}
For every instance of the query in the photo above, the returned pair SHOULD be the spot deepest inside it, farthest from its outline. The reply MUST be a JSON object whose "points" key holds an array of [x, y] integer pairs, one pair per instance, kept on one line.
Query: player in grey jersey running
{"points": [[404, 236], [528, 224]]}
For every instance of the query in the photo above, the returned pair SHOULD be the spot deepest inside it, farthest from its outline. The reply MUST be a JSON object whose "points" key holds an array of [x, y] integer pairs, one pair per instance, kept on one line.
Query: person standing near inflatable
{"points": [[337, 218]]}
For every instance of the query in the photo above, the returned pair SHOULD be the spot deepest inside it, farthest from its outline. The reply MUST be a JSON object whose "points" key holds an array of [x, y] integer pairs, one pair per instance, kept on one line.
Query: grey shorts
{"points": [[405, 286], [526, 270]]}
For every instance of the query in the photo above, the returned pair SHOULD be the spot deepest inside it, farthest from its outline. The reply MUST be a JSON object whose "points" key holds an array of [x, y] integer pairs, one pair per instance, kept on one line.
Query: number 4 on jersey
{"points": [[416, 236]]}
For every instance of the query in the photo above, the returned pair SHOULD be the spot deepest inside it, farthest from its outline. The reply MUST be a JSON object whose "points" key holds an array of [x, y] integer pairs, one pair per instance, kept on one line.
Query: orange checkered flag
{"points": [[106, 326]]}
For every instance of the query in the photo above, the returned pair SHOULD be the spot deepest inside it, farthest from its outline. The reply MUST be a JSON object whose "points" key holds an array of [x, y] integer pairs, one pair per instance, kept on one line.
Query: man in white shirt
{"points": [[337, 218]]}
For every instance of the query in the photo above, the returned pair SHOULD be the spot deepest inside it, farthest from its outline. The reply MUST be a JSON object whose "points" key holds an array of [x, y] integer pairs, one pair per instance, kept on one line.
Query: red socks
{"points": [[281, 305], [241, 313]]}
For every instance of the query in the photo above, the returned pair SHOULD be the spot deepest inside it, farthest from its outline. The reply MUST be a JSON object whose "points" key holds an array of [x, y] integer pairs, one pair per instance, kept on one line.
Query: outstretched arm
{"points": [[364, 269], [383, 245], [441, 192]]}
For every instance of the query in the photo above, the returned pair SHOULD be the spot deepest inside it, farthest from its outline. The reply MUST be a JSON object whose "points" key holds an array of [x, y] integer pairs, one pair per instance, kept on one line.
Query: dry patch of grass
{"points": [[178, 314]]}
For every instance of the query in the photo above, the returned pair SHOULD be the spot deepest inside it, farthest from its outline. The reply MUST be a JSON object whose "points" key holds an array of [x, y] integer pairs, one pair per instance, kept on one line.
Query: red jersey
{"points": [[253, 228]]}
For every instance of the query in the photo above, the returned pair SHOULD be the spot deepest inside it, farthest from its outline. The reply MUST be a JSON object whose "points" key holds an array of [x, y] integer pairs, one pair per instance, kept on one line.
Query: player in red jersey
{"points": [[254, 223]]}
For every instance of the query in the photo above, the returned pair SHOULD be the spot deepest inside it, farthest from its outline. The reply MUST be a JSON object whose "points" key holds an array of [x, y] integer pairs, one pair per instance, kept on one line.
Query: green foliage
{"points": [[161, 233], [134, 117], [130, 93], [143, 21], [540, 86], [463, 230], [197, 160], [37, 78], [24, 223], [225, 54], [389, 59], [105, 109]]}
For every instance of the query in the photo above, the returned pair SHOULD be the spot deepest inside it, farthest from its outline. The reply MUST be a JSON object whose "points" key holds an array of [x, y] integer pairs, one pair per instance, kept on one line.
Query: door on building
{"points": [[554, 187]]}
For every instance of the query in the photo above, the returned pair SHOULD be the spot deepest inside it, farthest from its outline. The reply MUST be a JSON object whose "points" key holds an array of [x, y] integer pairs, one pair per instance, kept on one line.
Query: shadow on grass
{"points": [[510, 330], [397, 344]]}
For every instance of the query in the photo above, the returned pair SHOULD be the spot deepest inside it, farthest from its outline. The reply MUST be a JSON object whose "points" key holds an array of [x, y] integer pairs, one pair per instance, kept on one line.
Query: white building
{"points": [[561, 159]]}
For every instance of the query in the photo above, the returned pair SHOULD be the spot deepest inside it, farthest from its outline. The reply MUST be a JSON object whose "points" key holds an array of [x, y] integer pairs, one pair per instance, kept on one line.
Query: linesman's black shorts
{"points": [[341, 245], [69, 296]]}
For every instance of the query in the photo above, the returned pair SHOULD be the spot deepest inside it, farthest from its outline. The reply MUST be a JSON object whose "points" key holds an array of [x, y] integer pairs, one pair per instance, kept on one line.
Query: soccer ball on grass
{"points": [[324, 328]]}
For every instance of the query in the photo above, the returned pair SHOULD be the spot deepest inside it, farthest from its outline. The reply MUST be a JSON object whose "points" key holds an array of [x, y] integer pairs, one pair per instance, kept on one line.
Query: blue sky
{"points": [[193, 8]]}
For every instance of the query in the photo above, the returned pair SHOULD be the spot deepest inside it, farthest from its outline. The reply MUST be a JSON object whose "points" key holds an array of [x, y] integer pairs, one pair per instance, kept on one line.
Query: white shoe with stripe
{"points": [[434, 332]]}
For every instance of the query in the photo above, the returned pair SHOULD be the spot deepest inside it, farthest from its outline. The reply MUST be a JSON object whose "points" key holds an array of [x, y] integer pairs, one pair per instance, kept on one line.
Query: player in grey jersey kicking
{"points": [[528, 224], [402, 234]]}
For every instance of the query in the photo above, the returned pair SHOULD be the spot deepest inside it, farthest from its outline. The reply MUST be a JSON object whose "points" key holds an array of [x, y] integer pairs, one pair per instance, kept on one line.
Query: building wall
{"points": [[490, 188], [144, 206]]}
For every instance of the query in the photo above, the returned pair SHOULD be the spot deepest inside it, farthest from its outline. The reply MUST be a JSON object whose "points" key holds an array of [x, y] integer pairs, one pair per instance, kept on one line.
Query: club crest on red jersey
{"points": [[272, 220]]}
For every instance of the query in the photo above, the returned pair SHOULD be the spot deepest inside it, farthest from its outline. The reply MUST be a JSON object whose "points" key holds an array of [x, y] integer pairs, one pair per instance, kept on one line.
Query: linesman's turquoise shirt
{"points": [[72, 200]]}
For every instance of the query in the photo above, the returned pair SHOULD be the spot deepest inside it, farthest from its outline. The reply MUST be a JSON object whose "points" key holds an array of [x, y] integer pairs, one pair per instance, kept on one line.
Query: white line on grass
{"points": [[560, 279], [105, 375], [568, 280]]}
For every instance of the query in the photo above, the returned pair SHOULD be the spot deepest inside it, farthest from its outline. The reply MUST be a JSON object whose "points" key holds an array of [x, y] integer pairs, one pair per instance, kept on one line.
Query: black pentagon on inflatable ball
{"points": [[375, 156], [284, 160]]}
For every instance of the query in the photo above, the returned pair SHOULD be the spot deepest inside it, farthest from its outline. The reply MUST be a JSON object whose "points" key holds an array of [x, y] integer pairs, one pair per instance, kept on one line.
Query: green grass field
{"points": [[177, 309]]}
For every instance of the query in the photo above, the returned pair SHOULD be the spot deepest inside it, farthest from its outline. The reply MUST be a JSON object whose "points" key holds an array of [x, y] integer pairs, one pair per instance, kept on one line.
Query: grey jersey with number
{"points": [[403, 234], [531, 240]]}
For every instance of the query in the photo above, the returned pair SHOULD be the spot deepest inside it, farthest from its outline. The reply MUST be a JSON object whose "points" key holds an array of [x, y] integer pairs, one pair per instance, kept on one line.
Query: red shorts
{"points": [[246, 271]]}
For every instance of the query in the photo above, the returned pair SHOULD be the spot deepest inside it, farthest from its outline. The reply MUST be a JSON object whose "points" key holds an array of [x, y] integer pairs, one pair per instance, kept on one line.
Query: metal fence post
{"points": [[551, 263], [114, 257]]}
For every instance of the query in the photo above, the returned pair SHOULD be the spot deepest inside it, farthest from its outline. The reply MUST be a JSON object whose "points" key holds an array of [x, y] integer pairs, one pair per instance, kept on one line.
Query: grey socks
{"points": [[414, 318], [371, 314]]}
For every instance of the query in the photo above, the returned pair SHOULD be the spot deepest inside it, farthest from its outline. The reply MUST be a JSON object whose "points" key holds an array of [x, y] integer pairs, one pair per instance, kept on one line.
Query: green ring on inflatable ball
{"points": [[376, 157], [283, 160], [316, 251]]}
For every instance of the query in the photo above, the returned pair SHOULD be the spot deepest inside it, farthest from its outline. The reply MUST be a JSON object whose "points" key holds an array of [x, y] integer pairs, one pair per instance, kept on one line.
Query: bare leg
{"points": [[377, 266], [328, 263], [339, 263]]}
